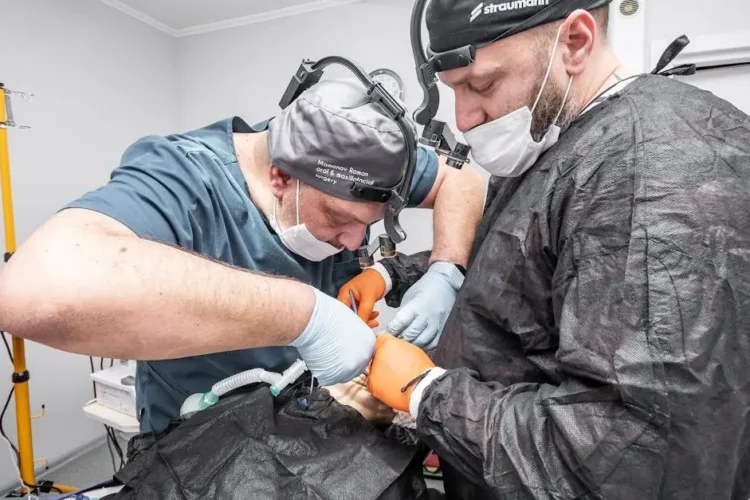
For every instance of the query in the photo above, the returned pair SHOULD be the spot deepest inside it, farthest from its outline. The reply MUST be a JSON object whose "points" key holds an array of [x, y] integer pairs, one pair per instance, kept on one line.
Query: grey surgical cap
{"points": [[334, 135]]}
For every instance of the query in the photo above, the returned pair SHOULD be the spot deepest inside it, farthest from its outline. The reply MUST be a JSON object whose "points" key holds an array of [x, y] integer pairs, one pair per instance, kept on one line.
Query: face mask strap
{"points": [[276, 202], [275, 219], [565, 99], [297, 202], [549, 69]]}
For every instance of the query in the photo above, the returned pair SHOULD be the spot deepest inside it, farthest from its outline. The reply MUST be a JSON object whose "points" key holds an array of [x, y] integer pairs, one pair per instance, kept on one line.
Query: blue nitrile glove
{"points": [[336, 344], [426, 305]]}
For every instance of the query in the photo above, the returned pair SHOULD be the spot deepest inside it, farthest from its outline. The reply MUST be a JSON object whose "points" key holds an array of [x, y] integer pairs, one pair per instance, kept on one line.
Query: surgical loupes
{"points": [[366, 253]]}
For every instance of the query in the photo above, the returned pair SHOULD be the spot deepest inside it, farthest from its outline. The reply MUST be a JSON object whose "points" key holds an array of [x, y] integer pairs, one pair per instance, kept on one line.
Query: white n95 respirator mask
{"points": [[299, 240], [505, 147]]}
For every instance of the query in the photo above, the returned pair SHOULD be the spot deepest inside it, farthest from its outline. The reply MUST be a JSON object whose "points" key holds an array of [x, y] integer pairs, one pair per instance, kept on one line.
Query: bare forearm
{"points": [[125, 297], [457, 213]]}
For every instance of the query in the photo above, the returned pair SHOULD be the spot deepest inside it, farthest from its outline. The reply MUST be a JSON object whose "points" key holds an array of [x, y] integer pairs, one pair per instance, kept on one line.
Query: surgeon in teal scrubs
{"points": [[221, 249]]}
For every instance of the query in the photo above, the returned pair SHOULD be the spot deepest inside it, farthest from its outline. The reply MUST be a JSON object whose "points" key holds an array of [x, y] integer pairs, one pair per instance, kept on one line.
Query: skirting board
{"points": [[709, 50]]}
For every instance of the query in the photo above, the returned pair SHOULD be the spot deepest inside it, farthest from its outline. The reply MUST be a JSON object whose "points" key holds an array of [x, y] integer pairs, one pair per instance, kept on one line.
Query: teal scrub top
{"points": [[187, 190]]}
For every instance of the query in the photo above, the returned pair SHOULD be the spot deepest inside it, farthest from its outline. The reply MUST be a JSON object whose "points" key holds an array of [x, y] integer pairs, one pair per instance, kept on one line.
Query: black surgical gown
{"points": [[600, 346]]}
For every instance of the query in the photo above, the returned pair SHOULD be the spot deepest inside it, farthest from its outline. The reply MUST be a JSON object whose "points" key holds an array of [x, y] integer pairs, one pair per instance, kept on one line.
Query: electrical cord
{"points": [[44, 486], [93, 384], [117, 447], [111, 455], [13, 460], [111, 436], [12, 447], [15, 457], [2, 416], [7, 346], [7, 402]]}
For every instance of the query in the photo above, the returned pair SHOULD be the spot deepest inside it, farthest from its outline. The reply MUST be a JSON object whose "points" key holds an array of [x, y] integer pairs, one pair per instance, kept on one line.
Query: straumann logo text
{"points": [[492, 8]]}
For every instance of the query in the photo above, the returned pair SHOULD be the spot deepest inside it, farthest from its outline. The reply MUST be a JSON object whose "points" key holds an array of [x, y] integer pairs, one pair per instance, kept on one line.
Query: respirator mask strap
{"points": [[546, 79], [297, 201], [549, 69], [565, 100]]}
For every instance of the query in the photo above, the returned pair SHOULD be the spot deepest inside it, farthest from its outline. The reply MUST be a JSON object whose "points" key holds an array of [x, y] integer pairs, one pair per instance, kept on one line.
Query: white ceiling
{"points": [[189, 17]]}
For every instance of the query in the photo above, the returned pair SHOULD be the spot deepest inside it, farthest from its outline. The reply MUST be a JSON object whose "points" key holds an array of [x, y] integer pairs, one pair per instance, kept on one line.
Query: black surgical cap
{"points": [[457, 23]]}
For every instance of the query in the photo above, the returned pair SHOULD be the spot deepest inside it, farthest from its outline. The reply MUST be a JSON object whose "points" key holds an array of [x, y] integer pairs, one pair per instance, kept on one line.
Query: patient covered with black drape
{"points": [[299, 445]]}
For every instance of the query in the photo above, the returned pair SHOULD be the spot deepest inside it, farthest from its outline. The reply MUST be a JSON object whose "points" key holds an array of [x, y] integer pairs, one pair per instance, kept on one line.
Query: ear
{"points": [[280, 181], [579, 31]]}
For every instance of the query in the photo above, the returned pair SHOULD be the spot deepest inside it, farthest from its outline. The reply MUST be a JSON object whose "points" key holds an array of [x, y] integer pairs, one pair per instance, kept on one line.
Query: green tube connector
{"points": [[208, 399]]}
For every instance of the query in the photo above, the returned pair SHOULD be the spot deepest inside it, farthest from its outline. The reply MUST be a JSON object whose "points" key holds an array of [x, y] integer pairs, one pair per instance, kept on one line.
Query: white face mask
{"points": [[504, 146], [300, 240]]}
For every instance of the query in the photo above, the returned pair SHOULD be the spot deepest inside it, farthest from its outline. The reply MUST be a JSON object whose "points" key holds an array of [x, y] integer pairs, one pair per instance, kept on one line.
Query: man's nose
{"points": [[353, 239], [469, 113]]}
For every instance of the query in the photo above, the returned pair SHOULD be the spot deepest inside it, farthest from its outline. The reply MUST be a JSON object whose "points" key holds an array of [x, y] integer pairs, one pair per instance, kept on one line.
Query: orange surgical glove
{"points": [[368, 287], [395, 364]]}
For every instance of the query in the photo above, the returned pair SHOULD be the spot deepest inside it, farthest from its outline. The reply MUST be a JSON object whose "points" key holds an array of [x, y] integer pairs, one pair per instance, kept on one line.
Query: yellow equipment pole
{"points": [[10, 235], [20, 373]]}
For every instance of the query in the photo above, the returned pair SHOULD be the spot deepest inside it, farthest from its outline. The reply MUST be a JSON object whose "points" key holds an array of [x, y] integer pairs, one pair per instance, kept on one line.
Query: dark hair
{"points": [[601, 16], [545, 33]]}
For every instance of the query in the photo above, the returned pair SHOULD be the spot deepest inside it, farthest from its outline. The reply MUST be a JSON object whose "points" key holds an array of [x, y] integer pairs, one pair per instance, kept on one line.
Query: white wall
{"points": [[668, 19], [245, 70], [101, 80]]}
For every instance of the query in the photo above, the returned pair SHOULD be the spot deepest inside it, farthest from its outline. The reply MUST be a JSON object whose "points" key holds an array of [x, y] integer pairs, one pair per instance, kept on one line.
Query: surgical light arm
{"points": [[435, 134]]}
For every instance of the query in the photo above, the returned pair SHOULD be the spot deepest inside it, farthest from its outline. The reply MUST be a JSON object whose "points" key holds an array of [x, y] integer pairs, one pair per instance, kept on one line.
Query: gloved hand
{"points": [[356, 395], [396, 363], [426, 305], [336, 345], [368, 287]]}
